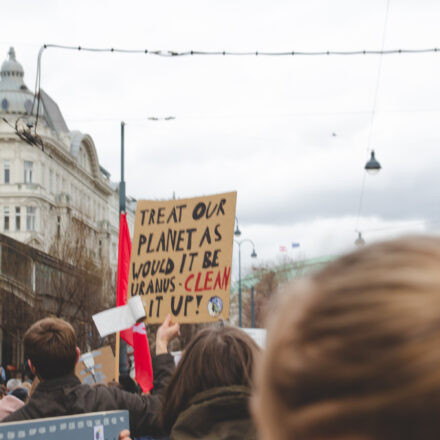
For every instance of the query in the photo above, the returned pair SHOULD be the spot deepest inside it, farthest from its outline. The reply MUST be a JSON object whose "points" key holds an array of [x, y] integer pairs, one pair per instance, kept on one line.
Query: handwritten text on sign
{"points": [[181, 257]]}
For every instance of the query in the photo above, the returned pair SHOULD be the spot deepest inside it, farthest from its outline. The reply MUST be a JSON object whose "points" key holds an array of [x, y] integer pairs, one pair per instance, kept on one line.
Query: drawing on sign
{"points": [[181, 257], [215, 306], [98, 432]]}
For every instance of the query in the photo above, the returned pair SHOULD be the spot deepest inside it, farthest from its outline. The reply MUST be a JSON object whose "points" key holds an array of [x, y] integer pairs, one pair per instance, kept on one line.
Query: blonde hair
{"points": [[354, 350]]}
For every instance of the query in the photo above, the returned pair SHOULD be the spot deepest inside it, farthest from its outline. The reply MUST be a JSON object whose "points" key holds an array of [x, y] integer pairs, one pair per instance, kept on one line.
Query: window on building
{"points": [[100, 248], [82, 157], [43, 175], [58, 227], [51, 181], [30, 218], [7, 171], [6, 218], [57, 184], [28, 171], [17, 218]]}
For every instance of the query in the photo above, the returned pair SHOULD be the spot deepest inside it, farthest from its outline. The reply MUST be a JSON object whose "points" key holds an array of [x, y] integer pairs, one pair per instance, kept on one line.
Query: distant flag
{"points": [[295, 245], [283, 249]]}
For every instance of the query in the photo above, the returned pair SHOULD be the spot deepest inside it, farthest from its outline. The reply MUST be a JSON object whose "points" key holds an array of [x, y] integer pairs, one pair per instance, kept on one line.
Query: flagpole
{"points": [[117, 348], [121, 210]]}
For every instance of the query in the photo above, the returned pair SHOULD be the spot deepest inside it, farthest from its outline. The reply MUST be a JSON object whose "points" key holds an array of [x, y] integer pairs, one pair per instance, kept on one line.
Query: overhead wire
{"points": [[176, 53], [373, 113]]}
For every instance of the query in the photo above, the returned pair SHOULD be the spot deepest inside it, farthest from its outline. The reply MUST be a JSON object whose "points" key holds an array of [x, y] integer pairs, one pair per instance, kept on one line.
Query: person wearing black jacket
{"points": [[51, 345]]}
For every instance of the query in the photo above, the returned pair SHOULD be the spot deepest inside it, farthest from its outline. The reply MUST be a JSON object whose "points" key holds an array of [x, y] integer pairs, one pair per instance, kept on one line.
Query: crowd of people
{"points": [[353, 353], [13, 395]]}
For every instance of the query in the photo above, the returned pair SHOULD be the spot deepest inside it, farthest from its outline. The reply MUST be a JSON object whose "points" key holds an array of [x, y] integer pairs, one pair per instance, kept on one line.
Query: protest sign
{"points": [[96, 426], [181, 258], [97, 366]]}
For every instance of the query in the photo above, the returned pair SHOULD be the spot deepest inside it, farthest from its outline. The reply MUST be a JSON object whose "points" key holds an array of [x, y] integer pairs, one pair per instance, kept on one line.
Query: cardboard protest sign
{"points": [[97, 366], [181, 258]]}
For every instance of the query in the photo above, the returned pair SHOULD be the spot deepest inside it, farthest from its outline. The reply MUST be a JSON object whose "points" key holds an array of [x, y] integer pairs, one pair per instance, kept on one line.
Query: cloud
{"points": [[261, 126]]}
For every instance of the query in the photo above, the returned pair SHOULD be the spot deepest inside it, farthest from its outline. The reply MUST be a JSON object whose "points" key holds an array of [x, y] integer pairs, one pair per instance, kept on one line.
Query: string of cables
{"points": [[373, 114], [175, 53]]}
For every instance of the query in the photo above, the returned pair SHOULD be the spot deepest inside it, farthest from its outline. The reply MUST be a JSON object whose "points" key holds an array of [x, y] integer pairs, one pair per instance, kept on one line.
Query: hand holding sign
{"points": [[124, 435], [165, 333]]}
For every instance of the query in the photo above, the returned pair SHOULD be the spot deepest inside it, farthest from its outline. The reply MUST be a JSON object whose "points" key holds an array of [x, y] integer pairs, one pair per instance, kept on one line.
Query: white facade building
{"points": [[46, 185]]}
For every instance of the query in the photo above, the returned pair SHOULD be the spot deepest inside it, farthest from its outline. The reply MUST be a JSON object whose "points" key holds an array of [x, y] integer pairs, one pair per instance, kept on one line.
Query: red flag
{"points": [[137, 335], [124, 253], [142, 358]]}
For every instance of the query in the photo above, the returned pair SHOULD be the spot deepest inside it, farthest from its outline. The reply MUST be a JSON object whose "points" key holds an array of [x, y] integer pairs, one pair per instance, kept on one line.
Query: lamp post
{"points": [[359, 242], [123, 368], [253, 255], [252, 307], [120, 345], [371, 167], [122, 184]]}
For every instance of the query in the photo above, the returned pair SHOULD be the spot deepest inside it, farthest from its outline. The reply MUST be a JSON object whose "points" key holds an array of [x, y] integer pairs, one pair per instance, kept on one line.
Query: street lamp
{"points": [[372, 166], [237, 231], [359, 241], [253, 255]]}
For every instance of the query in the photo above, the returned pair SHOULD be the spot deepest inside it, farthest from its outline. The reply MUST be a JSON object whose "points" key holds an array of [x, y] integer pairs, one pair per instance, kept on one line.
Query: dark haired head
{"points": [[51, 345], [216, 357], [20, 393]]}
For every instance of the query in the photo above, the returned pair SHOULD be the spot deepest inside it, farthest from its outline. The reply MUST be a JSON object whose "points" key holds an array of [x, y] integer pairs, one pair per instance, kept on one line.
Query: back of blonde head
{"points": [[353, 352]]}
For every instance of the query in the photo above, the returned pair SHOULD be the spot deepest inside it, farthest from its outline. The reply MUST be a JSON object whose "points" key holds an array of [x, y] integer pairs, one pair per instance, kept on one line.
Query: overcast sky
{"points": [[260, 126]]}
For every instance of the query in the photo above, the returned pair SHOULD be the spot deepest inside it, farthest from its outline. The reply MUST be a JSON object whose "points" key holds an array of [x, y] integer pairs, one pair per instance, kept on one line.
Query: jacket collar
{"points": [[68, 381], [221, 392]]}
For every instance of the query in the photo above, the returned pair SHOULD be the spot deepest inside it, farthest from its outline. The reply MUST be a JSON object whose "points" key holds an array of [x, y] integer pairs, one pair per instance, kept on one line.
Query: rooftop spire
{"points": [[11, 72], [11, 54]]}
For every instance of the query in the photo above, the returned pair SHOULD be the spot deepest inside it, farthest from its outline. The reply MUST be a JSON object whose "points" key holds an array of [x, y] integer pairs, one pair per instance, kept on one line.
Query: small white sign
{"points": [[258, 335], [119, 318]]}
